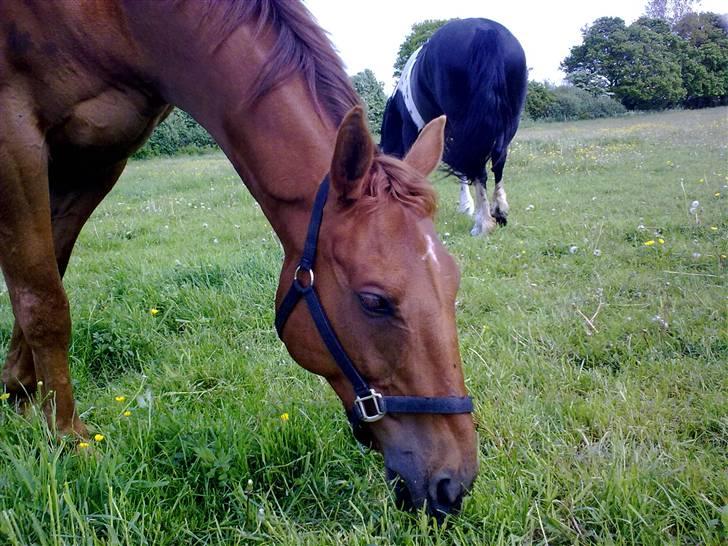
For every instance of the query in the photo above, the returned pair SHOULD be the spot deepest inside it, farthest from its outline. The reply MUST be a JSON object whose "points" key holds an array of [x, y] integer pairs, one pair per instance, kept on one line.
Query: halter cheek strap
{"points": [[369, 404]]}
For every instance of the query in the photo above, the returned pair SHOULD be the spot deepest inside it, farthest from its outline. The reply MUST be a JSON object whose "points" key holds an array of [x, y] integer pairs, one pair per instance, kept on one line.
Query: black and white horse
{"points": [[474, 71]]}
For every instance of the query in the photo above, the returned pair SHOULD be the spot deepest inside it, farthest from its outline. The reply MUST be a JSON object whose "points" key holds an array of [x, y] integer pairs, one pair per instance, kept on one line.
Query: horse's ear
{"points": [[426, 152], [353, 156]]}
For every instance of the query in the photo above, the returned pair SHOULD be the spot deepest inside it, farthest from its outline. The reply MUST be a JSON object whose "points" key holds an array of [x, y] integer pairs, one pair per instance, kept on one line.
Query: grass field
{"points": [[612, 430]]}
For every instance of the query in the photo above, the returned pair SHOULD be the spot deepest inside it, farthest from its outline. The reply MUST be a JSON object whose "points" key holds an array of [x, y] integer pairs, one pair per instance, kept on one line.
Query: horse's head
{"points": [[388, 287]]}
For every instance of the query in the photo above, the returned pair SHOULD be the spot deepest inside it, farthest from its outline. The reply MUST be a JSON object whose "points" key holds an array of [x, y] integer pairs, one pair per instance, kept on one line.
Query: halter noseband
{"points": [[369, 405]]}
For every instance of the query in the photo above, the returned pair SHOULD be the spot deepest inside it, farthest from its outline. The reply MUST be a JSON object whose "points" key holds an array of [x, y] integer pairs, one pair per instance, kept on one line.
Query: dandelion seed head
{"points": [[597, 252], [573, 249], [661, 322]]}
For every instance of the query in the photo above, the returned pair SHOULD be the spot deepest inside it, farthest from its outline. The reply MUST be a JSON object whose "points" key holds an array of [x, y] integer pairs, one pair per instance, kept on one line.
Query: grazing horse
{"points": [[83, 84], [474, 71]]}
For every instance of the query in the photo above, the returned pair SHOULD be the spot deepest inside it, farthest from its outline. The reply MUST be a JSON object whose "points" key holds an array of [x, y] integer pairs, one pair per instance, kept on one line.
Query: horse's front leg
{"points": [[500, 206], [18, 374], [484, 221], [467, 206], [28, 262]]}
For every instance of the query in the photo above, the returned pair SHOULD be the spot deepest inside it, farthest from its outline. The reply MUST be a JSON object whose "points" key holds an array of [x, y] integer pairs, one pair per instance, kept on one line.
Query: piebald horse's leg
{"points": [[484, 222], [499, 208], [466, 200]]}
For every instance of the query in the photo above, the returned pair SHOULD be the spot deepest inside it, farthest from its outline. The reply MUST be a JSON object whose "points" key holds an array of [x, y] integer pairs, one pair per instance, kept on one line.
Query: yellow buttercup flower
{"points": [[154, 311], [717, 194], [284, 417], [661, 241], [127, 413], [119, 398], [714, 228], [83, 445], [649, 243], [99, 437], [4, 396]]}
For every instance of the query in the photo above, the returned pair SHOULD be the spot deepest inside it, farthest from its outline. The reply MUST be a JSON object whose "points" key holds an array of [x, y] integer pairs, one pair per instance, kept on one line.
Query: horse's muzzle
{"points": [[441, 494]]}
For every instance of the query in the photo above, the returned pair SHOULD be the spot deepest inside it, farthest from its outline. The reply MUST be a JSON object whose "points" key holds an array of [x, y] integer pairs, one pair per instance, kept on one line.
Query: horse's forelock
{"points": [[390, 180]]}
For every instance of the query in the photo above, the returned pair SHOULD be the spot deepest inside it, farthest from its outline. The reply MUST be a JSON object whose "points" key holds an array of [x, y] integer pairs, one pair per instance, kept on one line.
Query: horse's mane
{"points": [[301, 47], [389, 178]]}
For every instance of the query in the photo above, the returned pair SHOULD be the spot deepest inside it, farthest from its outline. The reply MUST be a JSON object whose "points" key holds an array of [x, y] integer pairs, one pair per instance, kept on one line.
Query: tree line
{"points": [[671, 57], [653, 64]]}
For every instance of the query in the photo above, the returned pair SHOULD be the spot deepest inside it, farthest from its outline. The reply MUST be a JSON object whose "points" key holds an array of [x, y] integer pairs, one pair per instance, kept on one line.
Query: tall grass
{"points": [[611, 430]]}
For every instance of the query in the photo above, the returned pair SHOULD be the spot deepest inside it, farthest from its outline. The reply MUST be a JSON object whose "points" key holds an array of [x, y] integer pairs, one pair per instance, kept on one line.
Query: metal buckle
{"points": [[310, 276], [376, 402]]}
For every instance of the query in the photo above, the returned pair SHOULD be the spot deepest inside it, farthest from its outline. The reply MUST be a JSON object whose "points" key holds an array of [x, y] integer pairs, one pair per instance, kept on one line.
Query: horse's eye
{"points": [[374, 304]]}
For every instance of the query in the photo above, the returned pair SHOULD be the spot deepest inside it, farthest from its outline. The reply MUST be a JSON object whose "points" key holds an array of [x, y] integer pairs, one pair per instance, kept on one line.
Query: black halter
{"points": [[369, 405]]}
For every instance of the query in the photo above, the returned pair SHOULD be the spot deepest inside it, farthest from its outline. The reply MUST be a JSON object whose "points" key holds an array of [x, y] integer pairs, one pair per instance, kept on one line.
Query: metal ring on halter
{"points": [[310, 274]]}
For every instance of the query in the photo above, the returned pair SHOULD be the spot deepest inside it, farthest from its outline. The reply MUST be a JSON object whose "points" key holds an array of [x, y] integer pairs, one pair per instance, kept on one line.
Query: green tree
{"points": [[371, 92], [178, 134], [705, 59], [650, 74], [640, 64], [419, 34], [538, 100], [596, 64]]}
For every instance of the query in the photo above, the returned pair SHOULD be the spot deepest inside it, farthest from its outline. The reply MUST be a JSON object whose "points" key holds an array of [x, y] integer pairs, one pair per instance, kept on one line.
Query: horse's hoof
{"points": [[500, 218]]}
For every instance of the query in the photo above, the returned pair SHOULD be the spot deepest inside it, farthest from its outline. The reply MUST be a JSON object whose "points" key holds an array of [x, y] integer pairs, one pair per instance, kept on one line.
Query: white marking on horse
{"points": [[499, 199], [466, 200], [404, 85], [430, 254], [484, 221]]}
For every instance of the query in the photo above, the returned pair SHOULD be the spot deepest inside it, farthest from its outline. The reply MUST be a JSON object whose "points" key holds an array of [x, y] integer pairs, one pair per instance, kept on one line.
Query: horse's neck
{"points": [[279, 144], [281, 149]]}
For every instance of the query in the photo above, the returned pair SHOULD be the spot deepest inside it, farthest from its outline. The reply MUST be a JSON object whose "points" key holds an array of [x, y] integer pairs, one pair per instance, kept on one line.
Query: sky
{"points": [[368, 33]]}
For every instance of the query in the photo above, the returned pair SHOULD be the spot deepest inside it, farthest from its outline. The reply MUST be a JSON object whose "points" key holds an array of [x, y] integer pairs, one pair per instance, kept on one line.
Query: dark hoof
{"points": [[500, 218]]}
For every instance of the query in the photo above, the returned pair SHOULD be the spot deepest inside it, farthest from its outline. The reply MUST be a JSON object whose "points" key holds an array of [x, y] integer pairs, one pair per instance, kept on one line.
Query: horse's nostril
{"points": [[448, 494]]}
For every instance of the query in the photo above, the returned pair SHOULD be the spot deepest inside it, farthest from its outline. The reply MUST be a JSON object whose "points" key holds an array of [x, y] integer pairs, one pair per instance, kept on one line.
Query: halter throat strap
{"points": [[369, 404]]}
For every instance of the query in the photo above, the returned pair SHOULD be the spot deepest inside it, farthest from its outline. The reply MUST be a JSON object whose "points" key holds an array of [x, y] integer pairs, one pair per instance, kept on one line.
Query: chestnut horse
{"points": [[83, 84]]}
